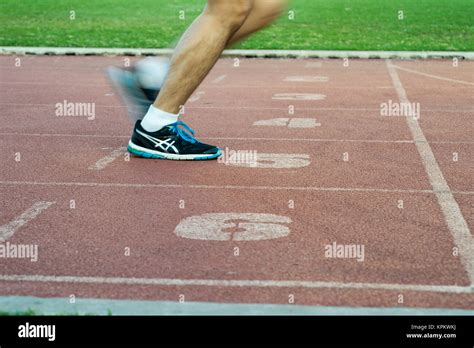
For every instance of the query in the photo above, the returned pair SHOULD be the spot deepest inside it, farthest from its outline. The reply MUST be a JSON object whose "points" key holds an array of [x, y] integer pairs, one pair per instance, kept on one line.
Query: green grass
{"points": [[28, 312], [318, 24], [34, 312]]}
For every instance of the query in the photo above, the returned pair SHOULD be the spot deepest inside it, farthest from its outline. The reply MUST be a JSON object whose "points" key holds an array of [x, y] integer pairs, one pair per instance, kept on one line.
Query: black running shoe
{"points": [[174, 142]]}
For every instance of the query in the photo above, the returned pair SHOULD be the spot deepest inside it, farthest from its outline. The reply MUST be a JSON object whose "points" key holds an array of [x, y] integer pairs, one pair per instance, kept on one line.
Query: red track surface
{"points": [[136, 204]]}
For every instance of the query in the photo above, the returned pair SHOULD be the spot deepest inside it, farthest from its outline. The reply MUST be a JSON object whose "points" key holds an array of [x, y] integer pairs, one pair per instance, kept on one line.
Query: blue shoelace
{"points": [[187, 133]]}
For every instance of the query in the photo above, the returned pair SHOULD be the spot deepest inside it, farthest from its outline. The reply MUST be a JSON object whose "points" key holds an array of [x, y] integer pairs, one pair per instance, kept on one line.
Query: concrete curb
{"points": [[90, 306], [84, 51]]}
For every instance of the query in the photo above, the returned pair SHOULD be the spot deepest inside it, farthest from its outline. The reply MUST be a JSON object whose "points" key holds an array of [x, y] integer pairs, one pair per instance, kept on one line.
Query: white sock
{"points": [[155, 119]]}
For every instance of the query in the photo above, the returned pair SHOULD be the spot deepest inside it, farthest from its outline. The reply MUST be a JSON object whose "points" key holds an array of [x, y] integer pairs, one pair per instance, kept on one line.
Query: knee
{"points": [[231, 13], [271, 8]]}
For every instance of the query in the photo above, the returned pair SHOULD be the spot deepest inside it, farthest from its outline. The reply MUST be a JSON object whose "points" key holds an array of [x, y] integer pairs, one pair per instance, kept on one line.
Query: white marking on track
{"points": [[238, 283], [303, 123], [219, 79], [274, 122], [244, 139], [276, 161], [7, 230], [233, 226], [105, 161], [196, 96], [298, 96], [290, 122], [452, 214], [306, 79], [432, 76], [452, 110], [221, 187]]}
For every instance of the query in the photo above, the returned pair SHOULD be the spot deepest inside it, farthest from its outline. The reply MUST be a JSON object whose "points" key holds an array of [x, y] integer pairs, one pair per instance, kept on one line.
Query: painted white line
{"points": [[322, 140], [196, 97], [228, 187], [7, 230], [97, 306], [454, 219], [238, 283], [105, 161], [37, 83], [240, 53], [216, 187], [352, 109], [298, 96], [453, 110], [291, 123], [306, 79], [205, 85], [433, 76], [219, 79], [57, 135]]}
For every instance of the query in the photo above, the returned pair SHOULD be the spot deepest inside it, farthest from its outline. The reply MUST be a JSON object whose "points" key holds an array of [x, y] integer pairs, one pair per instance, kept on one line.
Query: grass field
{"points": [[318, 24]]}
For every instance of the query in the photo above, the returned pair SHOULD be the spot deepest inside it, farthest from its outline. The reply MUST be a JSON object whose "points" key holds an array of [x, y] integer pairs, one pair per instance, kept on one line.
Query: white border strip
{"points": [[236, 283], [455, 221], [241, 53], [99, 306]]}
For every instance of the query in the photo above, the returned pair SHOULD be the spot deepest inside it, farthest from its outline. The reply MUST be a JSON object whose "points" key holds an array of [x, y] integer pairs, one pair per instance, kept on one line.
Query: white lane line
{"points": [[105, 161], [306, 79], [228, 187], [456, 111], [196, 97], [38, 83], [321, 109], [298, 96], [7, 230], [290, 122], [219, 79], [322, 140], [238, 283], [454, 219], [433, 76], [213, 85]]}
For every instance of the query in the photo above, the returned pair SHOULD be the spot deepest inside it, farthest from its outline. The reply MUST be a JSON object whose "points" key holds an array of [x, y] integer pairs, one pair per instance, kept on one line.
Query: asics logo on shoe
{"points": [[163, 144]]}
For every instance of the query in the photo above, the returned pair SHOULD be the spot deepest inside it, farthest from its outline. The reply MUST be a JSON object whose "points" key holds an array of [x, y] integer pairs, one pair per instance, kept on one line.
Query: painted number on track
{"points": [[234, 226]]}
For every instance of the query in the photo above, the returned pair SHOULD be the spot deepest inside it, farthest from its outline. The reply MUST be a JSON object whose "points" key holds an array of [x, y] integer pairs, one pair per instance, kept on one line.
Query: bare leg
{"points": [[263, 13], [199, 49]]}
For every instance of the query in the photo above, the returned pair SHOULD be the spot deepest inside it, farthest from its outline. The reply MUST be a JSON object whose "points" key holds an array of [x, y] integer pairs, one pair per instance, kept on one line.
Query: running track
{"points": [[333, 171]]}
